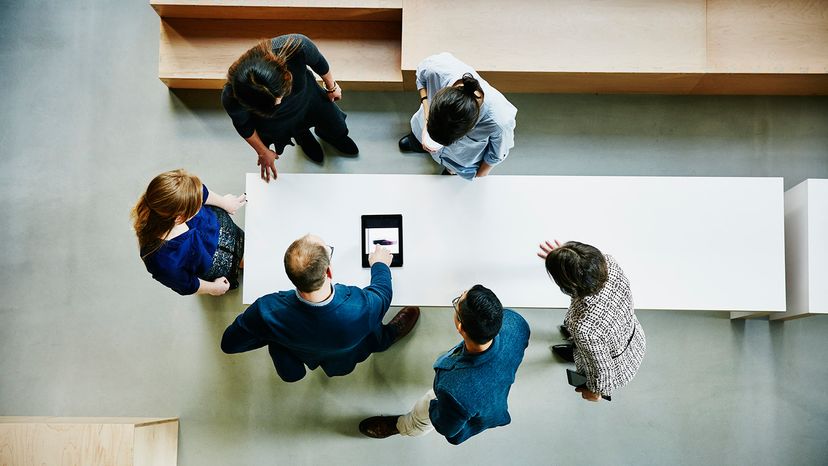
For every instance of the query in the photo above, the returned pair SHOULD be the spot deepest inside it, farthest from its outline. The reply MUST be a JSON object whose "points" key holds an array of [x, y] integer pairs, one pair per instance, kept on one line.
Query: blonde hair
{"points": [[169, 195]]}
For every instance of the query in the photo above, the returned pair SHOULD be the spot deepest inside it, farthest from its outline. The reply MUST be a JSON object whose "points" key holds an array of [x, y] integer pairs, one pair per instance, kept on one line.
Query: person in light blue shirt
{"points": [[465, 124]]}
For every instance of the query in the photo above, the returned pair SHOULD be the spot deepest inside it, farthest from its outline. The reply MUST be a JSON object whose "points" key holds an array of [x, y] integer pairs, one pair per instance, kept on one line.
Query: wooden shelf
{"points": [[607, 46], [331, 10], [195, 53], [630, 46]]}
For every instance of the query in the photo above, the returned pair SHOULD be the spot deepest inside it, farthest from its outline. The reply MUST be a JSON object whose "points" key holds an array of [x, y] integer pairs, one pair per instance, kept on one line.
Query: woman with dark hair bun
{"points": [[608, 342], [272, 96], [187, 239], [466, 125]]}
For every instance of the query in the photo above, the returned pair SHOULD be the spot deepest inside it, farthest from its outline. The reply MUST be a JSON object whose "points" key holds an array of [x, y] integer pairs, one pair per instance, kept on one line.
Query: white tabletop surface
{"points": [[684, 242]]}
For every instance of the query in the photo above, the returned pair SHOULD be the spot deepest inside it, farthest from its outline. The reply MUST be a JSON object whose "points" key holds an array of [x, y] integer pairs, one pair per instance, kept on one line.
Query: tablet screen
{"points": [[382, 230], [386, 237]]}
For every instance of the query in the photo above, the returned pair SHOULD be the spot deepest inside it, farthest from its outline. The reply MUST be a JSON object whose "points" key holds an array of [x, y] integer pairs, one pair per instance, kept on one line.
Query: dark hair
{"points": [[481, 314], [454, 111], [261, 75], [305, 263], [578, 269]]}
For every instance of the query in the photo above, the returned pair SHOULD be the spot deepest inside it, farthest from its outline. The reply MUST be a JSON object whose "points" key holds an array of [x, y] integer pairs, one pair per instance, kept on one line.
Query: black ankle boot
{"points": [[565, 352], [310, 146]]}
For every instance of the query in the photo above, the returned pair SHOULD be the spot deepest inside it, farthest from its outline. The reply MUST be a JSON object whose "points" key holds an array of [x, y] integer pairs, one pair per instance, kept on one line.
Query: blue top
{"points": [[336, 335], [180, 261], [472, 389], [492, 136]]}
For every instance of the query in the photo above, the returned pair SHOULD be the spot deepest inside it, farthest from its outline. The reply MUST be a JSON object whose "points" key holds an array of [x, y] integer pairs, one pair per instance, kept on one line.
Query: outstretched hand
{"points": [[380, 254], [267, 164], [232, 203], [546, 247]]}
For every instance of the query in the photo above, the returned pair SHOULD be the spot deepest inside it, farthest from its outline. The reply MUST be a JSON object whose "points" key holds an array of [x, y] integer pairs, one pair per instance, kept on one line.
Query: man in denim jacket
{"points": [[472, 380]]}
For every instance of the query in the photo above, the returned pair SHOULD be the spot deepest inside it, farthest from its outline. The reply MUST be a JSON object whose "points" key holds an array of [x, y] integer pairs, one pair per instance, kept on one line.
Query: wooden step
{"points": [[195, 53], [604, 46], [330, 10], [629, 46]]}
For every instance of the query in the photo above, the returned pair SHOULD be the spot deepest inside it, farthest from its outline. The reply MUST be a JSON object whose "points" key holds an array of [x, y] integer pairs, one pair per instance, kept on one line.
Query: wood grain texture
{"points": [[36, 441], [202, 50], [559, 35], [767, 36], [243, 10], [156, 444], [748, 47]]}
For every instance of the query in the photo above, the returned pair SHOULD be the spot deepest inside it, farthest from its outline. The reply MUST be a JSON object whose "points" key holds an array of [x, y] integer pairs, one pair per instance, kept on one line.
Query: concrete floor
{"points": [[84, 330]]}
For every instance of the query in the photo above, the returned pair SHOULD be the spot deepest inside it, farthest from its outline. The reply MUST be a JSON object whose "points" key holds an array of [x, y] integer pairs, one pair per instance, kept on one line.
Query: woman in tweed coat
{"points": [[608, 342]]}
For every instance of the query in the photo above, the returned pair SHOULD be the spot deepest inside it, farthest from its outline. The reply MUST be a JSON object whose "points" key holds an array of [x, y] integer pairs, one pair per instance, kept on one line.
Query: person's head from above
{"points": [[478, 314], [580, 270], [171, 199], [308, 263], [260, 78], [454, 110]]}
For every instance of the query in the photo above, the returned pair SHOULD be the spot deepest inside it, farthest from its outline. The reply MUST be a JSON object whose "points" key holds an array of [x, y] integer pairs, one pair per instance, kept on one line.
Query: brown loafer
{"points": [[404, 321], [379, 426]]}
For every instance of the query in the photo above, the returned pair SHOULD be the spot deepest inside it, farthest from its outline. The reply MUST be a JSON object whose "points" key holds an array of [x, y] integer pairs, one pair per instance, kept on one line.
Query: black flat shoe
{"points": [[565, 352], [409, 143], [565, 332], [310, 146]]}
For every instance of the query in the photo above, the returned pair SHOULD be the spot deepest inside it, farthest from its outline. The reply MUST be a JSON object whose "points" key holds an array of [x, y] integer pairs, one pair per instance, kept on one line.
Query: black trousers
{"points": [[319, 113]]}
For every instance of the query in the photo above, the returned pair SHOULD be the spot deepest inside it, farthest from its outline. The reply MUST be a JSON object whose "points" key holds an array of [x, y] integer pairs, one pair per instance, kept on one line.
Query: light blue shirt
{"points": [[491, 138]]}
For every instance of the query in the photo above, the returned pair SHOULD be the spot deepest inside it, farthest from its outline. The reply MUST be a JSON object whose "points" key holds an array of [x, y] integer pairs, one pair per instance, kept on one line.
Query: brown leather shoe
{"points": [[379, 426], [404, 321]]}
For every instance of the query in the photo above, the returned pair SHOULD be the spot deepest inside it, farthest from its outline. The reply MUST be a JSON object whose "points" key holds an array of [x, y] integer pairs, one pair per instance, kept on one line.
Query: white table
{"points": [[685, 243], [806, 250]]}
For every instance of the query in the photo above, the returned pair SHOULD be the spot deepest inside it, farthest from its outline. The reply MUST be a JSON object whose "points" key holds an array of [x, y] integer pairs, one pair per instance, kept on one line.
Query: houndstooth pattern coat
{"points": [[601, 325]]}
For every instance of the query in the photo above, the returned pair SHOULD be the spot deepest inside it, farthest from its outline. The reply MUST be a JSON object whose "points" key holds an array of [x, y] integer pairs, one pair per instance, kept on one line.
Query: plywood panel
{"points": [[767, 36], [762, 84], [626, 36], [362, 10], [65, 441], [598, 83], [84, 420], [156, 444], [359, 52], [65, 444]]}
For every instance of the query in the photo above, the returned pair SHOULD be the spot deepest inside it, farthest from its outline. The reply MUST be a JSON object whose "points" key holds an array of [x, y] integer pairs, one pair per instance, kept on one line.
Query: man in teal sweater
{"points": [[321, 324], [472, 380]]}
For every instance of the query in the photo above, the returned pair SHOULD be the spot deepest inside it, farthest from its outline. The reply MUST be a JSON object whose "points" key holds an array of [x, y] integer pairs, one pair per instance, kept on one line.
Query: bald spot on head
{"points": [[306, 263]]}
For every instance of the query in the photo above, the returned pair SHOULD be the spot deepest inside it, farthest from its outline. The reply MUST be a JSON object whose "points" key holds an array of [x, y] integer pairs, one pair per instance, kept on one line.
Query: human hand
{"points": [[380, 254], [547, 247], [587, 394], [336, 94], [425, 137], [266, 163], [220, 286], [232, 203]]}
